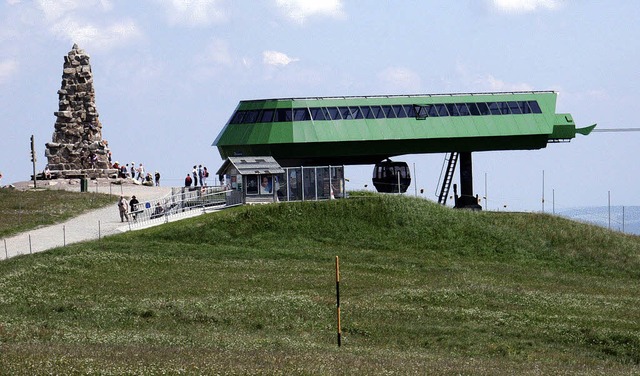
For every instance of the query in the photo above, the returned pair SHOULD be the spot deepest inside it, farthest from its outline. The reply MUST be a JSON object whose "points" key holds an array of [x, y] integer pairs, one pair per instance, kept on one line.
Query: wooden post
{"points": [[338, 300]]}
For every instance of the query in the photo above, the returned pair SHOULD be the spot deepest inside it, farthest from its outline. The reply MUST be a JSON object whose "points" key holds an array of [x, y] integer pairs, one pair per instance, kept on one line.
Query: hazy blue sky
{"points": [[169, 73]]}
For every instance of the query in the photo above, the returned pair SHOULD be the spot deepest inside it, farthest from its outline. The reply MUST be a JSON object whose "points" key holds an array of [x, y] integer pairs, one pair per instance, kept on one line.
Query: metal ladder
{"points": [[450, 161]]}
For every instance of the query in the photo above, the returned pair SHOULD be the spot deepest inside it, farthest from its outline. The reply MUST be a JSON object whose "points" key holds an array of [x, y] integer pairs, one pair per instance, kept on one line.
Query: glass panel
{"points": [[356, 113], [367, 112], [250, 116], [322, 183], [266, 185], [284, 114], [473, 109], [237, 117], [504, 108], [266, 116], [462, 109], [483, 108], [378, 113], [410, 110], [334, 113], [399, 110], [280, 186], [515, 109], [295, 184], [301, 114], [442, 110], [494, 109], [309, 183], [346, 114], [453, 109], [535, 108], [337, 186], [524, 106], [388, 112], [252, 184], [317, 113], [421, 111], [433, 110]]}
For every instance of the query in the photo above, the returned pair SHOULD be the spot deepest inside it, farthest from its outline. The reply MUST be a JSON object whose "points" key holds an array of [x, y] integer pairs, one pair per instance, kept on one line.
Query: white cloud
{"points": [[193, 12], [56, 9], [400, 79], [524, 6], [490, 83], [95, 36], [7, 69], [68, 19], [300, 10], [277, 58], [217, 51]]}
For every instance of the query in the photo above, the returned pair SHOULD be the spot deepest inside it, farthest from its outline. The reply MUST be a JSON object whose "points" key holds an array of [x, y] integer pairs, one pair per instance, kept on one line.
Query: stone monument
{"points": [[77, 148]]}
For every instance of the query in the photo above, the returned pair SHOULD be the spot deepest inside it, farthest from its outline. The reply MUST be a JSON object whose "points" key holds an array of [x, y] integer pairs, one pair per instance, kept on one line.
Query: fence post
{"points": [[30, 244], [6, 253], [64, 236], [99, 230], [338, 300]]}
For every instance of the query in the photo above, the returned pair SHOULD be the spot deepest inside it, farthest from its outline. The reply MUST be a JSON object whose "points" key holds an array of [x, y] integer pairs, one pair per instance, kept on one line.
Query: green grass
{"points": [[25, 210], [424, 290]]}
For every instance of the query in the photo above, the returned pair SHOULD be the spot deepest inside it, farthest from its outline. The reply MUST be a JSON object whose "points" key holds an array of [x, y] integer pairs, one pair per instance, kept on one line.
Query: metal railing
{"points": [[182, 202]]}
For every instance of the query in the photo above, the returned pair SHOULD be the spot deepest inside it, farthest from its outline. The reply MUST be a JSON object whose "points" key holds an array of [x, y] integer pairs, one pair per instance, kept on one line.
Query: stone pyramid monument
{"points": [[77, 148]]}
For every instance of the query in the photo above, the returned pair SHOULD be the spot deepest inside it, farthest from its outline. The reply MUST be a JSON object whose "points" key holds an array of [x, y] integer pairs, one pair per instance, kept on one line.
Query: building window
{"points": [[252, 184]]}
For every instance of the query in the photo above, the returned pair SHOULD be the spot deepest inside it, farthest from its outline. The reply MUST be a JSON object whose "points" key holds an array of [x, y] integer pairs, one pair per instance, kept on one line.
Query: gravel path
{"points": [[91, 225]]}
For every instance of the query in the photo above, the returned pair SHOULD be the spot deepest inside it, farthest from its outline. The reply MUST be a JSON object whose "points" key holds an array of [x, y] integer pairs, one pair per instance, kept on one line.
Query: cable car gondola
{"points": [[391, 177]]}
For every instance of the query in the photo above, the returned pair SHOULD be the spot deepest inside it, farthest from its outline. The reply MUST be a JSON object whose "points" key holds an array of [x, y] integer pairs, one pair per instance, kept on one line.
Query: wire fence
{"points": [[181, 203]]}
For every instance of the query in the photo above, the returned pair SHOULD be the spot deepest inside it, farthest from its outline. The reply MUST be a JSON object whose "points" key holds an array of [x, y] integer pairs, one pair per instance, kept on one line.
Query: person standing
{"points": [[133, 170], [123, 208], [47, 172], [133, 205], [157, 176], [201, 175], [194, 172], [141, 173], [205, 175]]}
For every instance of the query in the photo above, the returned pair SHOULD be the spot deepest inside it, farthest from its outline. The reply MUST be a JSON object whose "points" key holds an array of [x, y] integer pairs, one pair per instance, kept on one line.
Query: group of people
{"points": [[137, 173], [199, 174], [125, 208]]}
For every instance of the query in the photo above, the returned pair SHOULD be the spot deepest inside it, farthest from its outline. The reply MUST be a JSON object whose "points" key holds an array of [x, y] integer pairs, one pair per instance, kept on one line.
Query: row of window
{"points": [[385, 112]]}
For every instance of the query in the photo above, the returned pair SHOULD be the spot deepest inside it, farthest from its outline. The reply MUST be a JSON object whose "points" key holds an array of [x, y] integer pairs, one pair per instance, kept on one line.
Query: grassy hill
{"points": [[24, 210], [424, 290]]}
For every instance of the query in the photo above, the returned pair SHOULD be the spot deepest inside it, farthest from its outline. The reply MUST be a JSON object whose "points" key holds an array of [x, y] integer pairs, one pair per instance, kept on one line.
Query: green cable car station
{"points": [[355, 130]]}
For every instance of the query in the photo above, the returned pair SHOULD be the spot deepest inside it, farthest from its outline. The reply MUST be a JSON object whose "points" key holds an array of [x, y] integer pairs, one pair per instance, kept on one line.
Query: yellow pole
{"points": [[338, 300]]}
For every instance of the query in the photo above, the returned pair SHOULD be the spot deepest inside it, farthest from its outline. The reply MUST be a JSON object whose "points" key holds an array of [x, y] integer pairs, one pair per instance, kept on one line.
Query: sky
{"points": [[168, 74]]}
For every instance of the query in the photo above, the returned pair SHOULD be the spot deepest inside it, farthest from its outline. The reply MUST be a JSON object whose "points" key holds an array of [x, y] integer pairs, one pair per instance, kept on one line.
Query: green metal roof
{"points": [[367, 129]]}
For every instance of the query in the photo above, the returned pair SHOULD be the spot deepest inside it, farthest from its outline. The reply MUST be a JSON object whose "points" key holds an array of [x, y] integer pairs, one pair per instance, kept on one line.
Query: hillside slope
{"points": [[424, 289]]}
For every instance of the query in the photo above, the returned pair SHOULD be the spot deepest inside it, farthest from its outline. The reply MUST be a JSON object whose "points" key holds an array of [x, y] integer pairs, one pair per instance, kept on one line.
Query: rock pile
{"points": [[77, 147]]}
